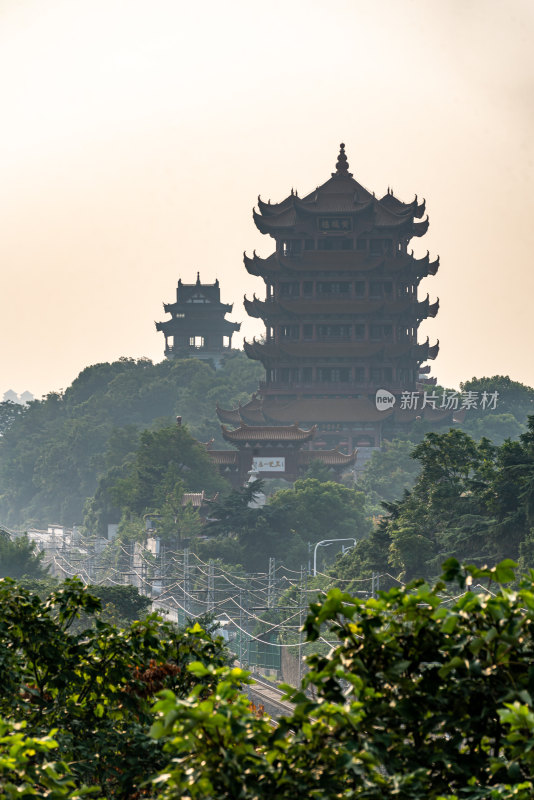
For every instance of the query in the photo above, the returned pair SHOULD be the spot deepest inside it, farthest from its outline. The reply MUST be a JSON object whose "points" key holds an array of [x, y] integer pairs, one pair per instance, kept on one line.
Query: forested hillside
{"points": [[393, 470], [67, 451], [53, 451], [472, 500]]}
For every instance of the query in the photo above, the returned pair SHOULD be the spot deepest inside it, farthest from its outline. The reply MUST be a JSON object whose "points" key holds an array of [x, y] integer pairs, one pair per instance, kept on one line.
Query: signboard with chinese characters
{"points": [[335, 224], [268, 464]]}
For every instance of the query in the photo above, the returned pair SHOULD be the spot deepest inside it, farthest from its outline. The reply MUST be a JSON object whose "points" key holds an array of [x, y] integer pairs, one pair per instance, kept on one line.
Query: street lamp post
{"points": [[325, 543]]}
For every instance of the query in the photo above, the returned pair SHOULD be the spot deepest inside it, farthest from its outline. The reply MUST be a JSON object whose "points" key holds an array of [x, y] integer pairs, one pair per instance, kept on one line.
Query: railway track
{"points": [[261, 692]]}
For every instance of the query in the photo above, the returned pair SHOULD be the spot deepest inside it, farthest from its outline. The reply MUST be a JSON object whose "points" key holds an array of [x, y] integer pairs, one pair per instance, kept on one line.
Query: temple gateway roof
{"points": [[271, 433]]}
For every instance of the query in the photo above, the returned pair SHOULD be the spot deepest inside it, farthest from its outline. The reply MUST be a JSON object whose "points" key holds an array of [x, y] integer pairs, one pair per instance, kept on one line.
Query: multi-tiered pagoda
{"points": [[341, 313], [197, 326]]}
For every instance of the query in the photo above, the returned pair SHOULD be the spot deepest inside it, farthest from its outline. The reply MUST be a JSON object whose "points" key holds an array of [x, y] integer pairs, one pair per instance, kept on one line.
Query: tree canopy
{"points": [[53, 451], [421, 697], [19, 557], [293, 518], [472, 500], [426, 693], [93, 685]]}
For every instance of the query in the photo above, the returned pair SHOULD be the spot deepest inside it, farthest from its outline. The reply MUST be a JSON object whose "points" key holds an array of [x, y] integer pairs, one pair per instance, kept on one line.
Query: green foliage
{"points": [[388, 474], [94, 685], [25, 771], [420, 700], [425, 696], [370, 555], [473, 501], [166, 463], [53, 452], [319, 471], [126, 601], [165, 458], [18, 557], [222, 749], [9, 412], [391, 470], [509, 419], [103, 507], [120, 605], [178, 523], [233, 514], [311, 510]]}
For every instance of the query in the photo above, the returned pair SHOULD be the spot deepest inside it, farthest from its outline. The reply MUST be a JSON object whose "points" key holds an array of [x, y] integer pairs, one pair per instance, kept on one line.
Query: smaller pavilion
{"points": [[198, 326]]}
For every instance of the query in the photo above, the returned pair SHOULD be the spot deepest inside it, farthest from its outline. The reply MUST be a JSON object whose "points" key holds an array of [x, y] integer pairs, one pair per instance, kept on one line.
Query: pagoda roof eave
{"points": [[166, 327], [266, 310], [420, 228], [270, 352], [393, 203], [420, 209], [382, 218], [273, 224], [229, 415], [271, 209], [349, 260], [314, 411]]}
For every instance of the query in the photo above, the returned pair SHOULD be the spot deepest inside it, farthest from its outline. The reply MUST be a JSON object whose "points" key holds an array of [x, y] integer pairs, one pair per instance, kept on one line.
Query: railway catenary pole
{"points": [[211, 585], [241, 628], [186, 580], [271, 583], [301, 599]]}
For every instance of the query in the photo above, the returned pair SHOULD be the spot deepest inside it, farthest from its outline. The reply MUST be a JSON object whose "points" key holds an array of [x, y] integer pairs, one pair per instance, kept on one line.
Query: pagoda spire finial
{"points": [[198, 278], [342, 165]]}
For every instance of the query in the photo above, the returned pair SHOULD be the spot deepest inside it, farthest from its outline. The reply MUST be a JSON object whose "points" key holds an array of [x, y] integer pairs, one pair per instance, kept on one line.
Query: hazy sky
{"points": [[136, 136]]}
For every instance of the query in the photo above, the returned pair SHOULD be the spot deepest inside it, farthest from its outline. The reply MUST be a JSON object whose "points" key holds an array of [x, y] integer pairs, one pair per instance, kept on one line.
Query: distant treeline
{"points": [[53, 451], [80, 450]]}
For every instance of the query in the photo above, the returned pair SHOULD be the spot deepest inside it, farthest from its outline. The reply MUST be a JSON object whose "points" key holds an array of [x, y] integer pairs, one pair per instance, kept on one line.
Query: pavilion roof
{"points": [[206, 308], [172, 326]]}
